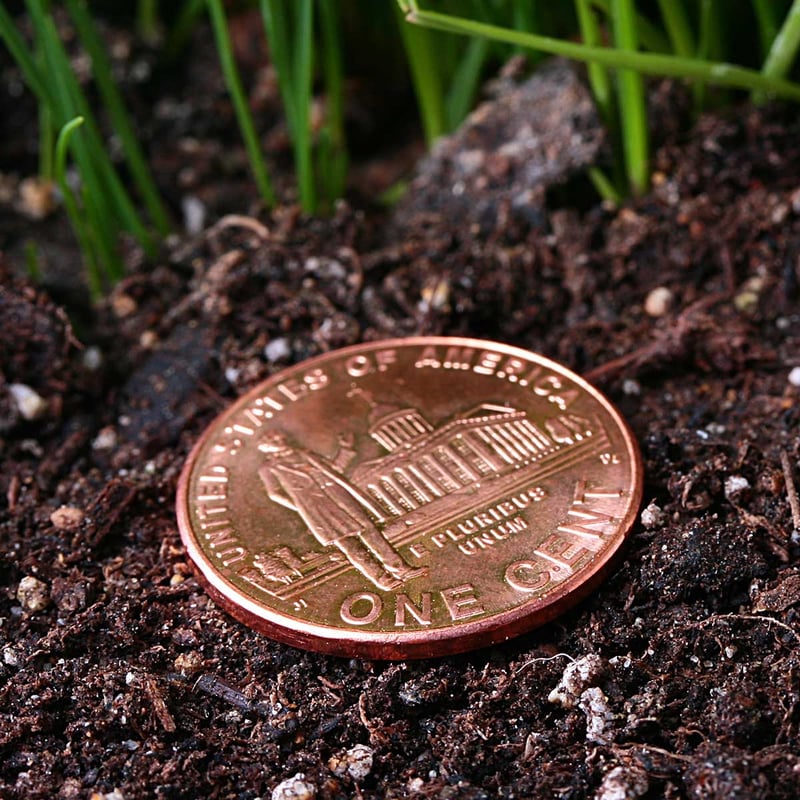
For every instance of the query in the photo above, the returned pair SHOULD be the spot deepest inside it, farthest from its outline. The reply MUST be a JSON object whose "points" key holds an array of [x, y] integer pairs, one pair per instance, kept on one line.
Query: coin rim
{"points": [[407, 644]]}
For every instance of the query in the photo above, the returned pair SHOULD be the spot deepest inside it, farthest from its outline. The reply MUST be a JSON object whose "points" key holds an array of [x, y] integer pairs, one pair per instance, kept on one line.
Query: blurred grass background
{"points": [[729, 50]]}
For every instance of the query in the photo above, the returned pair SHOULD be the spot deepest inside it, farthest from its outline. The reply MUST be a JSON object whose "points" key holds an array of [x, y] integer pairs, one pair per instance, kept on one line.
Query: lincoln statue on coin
{"points": [[334, 511]]}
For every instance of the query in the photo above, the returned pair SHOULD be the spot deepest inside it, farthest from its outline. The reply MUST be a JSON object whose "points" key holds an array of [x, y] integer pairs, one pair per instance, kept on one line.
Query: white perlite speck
{"points": [[794, 376], [277, 349], [599, 717], [33, 594], [67, 518], [577, 676], [623, 783], [652, 516], [734, 484], [30, 404], [355, 762], [658, 302], [295, 788]]}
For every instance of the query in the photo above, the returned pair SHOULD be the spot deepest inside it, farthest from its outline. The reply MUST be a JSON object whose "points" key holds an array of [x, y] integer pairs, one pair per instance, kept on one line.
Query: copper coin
{"points": [[409, 498]]}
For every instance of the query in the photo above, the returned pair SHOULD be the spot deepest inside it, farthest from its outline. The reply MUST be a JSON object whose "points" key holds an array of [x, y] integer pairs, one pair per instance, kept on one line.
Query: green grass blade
{"points": [[147, 22], [422, 61], [178, 35], [648, 35], [604, 187], [33, 265], [678, 27], [115, 107], [784, 48], [289, 27], [632, 100], [599, 79], [605, 100], [31, 73], [77, 220], [240, 105], [303, 74], [66, 102], [706, 42], [465, 82], [332, 156], [96, 170], [767, 18], [691, 69]]}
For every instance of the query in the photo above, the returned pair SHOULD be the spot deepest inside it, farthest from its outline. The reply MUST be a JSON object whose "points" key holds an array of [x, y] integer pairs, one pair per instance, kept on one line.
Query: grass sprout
{"points": [[105, 209], [290, 31], [631, 63], [244, 117]]}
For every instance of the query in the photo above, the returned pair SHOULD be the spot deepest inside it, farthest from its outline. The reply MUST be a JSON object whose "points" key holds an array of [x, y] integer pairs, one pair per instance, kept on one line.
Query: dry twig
{"points": [[791, 489]]}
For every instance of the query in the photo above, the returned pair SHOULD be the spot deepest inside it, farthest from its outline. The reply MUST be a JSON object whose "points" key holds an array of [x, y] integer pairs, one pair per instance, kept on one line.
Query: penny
{"points": [[409, 498]]}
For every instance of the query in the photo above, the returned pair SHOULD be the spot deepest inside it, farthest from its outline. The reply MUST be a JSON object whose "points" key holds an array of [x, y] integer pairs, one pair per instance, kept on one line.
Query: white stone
{"points": [[92, 358], [355, 762], [658, 302], [734, 484], [67, 518], [106, 439], [30, 404], [631, 387], [194, 214], [794, 376], [33, 594], [652, 516], [576, 677], [294, 788], [599, 717], [623, 783], [10, 656], [277, 349]]}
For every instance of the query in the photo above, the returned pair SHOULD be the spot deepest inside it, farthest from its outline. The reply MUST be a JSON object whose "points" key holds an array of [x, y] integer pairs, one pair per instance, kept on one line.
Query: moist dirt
{"points": [[120, 679]]}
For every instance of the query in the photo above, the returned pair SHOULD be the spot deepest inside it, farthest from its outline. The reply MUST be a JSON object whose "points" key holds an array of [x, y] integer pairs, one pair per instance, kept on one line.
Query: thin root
{"points": [[791, 489]]}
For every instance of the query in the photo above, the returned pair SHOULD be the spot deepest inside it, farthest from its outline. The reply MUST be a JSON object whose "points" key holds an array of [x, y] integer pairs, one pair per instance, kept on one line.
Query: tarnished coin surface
{"points": [[409, 498]]}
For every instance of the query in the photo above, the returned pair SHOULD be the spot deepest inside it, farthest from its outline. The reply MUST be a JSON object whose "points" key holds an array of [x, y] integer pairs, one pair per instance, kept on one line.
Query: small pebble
{"points": [[30, 404], [36, 197], [623, 783], [794, 199], [577, 676], [794, 376], [599, 717], [67, 518], [294, 788], [658, 302], [92, 358], [194, 214], [148, 339], [277, 349], [114, 795], [106, 439], [123, 305], [631, 387], [435, 295], [355, 762], [734, 485], [33, 594], [189, 663], [652, 516], [747, 299], [10, 656]]}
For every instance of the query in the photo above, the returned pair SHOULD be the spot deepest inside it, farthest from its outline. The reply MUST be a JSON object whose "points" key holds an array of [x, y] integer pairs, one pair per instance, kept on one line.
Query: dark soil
{"points": [[120, 679]]}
